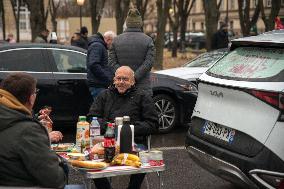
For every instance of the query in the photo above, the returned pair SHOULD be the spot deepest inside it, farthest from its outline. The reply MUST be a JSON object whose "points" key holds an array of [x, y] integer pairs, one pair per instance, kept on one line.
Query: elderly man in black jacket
{"points": [[135, 49], [124, 99], [25, 155]]}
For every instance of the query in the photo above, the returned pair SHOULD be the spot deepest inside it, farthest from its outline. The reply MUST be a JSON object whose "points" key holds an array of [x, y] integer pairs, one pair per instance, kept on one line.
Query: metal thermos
{"points": [[126, 136]]}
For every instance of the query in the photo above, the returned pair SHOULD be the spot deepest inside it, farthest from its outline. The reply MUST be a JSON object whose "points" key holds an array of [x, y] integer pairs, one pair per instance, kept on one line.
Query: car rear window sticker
{"points": [[246, 62]]}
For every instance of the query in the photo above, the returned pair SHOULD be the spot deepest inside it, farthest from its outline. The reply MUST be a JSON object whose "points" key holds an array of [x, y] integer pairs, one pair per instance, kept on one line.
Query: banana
{"points": [[126, 159], [129, 156]]}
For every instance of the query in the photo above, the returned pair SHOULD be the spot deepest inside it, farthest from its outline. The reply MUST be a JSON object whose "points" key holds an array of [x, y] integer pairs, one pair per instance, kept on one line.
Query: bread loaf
{"points": [[88, 164]]}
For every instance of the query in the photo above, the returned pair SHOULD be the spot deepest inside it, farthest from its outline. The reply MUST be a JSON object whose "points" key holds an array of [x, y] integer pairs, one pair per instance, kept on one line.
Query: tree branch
{"points": [[190, 7]]}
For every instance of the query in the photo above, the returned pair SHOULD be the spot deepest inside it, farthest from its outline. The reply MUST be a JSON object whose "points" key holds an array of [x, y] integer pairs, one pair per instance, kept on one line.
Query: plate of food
{"points": [[62, 147], [77, 156]]}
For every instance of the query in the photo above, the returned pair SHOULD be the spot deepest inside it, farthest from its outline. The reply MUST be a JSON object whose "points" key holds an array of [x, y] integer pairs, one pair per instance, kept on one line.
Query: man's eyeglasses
{"points": [[36, 91], [121, 78]]}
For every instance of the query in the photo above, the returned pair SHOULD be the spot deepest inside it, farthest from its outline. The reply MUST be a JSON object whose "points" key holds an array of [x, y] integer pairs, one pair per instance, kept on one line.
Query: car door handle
{"points": [[66, 82]]}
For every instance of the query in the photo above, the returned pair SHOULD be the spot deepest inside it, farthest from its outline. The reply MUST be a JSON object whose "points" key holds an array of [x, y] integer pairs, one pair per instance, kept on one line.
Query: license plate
{"points": [[223, 133]]}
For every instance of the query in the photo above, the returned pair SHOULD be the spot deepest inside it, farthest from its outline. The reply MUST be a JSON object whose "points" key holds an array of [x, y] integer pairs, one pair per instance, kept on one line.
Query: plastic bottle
{"points": [[82, 134], [109, 143], [95, 130], [118, 122], [126, 136]]}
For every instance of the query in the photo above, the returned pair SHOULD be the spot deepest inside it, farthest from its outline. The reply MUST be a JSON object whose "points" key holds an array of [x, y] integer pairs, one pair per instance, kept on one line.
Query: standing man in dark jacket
{"points": [[135, 49], [78, 41], [220, 38], [25, 155], [124, 99], [84, 37], [99, 74]]}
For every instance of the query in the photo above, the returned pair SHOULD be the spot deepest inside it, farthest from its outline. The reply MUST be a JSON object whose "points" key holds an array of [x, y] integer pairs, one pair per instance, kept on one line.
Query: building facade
{"points": [[68, 25]]}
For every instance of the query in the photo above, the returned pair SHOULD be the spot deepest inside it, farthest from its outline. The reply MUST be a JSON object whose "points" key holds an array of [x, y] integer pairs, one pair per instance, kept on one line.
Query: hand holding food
{"points": [[44, 118], [55, 136]]}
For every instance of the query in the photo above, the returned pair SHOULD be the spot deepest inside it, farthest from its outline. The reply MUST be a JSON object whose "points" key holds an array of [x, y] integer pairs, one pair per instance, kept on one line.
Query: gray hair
{"points": [[109, 34]]}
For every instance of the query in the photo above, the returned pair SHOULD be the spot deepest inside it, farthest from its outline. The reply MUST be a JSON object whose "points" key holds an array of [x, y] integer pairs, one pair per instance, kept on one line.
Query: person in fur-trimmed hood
{"points": [[25, 156]]}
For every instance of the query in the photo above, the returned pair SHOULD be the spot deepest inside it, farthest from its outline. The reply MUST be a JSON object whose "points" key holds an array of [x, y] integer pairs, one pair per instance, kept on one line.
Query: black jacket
{"points": [[135, 49], [134, 103], [99, 74], [79, 43], [220, 40], [25, 155]]}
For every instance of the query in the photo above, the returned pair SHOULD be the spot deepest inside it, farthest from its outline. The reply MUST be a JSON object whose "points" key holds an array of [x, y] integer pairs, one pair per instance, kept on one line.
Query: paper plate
{"points": [[68, 147]]}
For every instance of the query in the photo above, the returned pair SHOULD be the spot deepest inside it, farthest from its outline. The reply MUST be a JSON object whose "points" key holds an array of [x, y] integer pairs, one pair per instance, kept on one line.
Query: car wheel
{"points": [[167, 111]]}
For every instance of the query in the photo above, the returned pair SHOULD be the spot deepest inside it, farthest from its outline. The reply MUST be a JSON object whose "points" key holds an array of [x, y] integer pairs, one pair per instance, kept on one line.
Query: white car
{"points": [[237, 127], [196, 67], [175, 107]]}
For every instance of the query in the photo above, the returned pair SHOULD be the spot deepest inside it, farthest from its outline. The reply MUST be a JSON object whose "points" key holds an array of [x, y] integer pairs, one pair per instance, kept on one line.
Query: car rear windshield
{"points": [[251, 64], [206, 59]]}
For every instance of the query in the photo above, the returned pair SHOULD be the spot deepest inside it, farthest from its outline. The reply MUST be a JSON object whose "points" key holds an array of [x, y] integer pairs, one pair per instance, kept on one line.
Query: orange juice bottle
{"points": [[82, 134]]}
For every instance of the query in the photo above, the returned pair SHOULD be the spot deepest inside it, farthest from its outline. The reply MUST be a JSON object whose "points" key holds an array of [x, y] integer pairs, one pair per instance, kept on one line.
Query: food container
{"points": [[156, 158], [97, 139], [97, 152], [144, 157]]}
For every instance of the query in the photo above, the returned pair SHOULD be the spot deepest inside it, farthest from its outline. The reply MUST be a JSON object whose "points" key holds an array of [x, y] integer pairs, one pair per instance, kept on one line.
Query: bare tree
{"points": [[244, 13], [53, 9], [96, 13], [185, 9], [38, 16], [16, 12], [163, 7], [274, 10], [212, 15], [2, 13], [174, 19], [141, 5], [121, 10]]}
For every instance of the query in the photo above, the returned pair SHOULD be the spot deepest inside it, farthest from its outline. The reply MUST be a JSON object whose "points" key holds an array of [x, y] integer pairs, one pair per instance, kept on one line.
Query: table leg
{"points": [[161, 184], [88, 183]]}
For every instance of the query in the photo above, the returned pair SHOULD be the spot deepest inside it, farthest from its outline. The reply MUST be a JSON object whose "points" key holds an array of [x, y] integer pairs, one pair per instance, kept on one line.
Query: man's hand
{"points": [[55, 136]]}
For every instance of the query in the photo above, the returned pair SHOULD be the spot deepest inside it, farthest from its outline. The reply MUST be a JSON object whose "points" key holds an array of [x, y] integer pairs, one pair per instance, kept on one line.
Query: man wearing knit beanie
{"points": [[134, 19], [135, 49]]}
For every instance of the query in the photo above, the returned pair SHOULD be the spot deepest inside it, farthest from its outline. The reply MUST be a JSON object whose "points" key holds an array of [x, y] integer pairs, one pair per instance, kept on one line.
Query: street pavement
{"points": [[181, 172]]}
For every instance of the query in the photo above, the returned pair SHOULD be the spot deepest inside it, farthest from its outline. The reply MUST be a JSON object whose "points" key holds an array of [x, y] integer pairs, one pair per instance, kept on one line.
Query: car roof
{"points": [[39, 45], [273, 38]]}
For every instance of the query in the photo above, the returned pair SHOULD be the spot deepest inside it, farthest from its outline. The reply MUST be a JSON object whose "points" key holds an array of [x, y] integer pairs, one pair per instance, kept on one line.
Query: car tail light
{"points": [[281, 185], [274, 99]]}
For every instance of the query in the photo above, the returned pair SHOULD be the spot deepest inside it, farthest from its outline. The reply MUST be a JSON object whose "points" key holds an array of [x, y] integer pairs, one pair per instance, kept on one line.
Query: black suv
{"points": [[61, 74]]}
